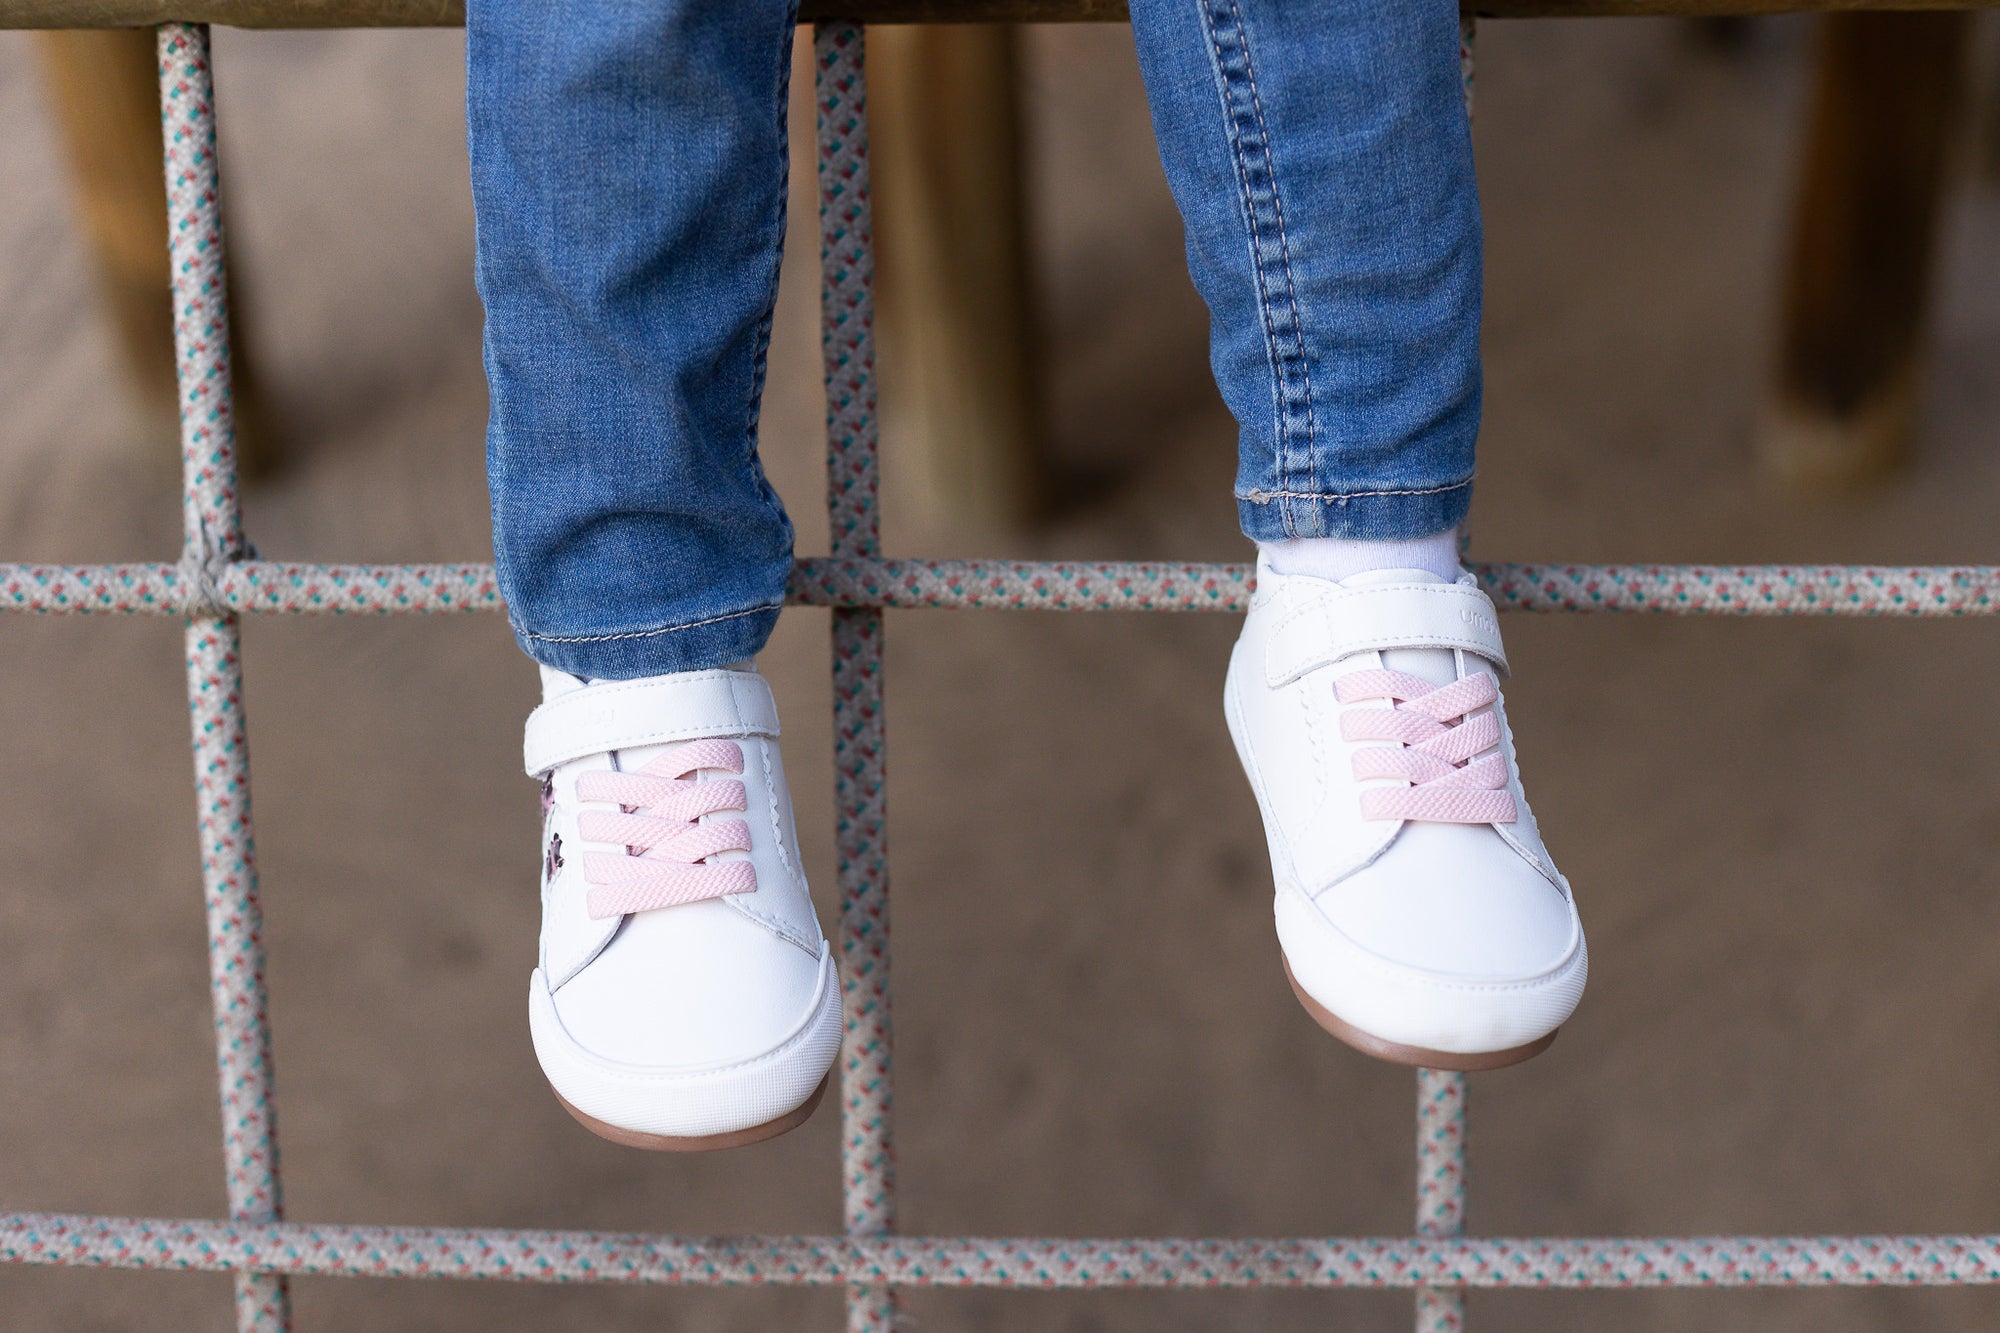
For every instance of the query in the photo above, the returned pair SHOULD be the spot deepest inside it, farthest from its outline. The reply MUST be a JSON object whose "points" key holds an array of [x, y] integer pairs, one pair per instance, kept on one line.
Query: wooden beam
{"points": [[451, 13], [1564, 9]]}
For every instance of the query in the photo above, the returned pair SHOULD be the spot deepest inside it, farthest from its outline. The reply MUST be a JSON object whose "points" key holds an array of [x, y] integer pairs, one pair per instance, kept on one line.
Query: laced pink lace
{"points": [[664, 864], [1447, 784]]}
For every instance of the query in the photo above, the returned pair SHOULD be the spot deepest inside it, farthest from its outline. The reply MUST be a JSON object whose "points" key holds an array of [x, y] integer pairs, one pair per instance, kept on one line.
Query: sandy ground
{"points": [[1784, 835]]}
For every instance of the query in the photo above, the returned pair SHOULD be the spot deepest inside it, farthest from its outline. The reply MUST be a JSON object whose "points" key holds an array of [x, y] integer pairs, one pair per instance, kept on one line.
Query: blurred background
{"points": [[1785, 835]]}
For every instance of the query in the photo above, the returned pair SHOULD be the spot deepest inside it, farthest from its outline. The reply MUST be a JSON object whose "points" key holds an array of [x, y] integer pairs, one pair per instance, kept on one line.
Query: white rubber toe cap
{"points": [[1416, 998], [675, 1080], [702, 984], [1455, 899]]}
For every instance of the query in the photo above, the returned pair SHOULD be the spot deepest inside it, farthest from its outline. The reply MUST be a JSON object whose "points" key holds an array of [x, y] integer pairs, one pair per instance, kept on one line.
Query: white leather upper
{"points": [[1428, 934], [652, 999]]}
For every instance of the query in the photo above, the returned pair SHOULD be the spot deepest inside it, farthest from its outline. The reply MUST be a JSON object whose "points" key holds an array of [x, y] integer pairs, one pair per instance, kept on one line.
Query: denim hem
{"points": [[701, 645], [1381, 515]]}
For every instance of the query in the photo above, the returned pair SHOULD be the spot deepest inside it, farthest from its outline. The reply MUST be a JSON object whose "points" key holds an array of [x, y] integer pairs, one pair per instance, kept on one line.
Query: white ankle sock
{"points": [[1336, 558]]}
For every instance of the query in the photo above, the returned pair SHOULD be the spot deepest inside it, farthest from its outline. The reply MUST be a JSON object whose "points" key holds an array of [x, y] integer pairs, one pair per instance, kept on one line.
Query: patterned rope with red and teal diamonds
{"points": [[860, 783], [1574, 1263], [212, 537], [268, 587]]}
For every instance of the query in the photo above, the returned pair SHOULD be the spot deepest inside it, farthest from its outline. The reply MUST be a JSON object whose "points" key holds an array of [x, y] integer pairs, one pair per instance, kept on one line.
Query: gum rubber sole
{"points": [[1398, 1054], [735, 1138]]}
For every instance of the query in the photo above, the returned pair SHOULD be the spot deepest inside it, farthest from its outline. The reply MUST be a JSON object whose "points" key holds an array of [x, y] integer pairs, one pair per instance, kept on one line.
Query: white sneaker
{"points": [[1419, 914], [686, 999]]}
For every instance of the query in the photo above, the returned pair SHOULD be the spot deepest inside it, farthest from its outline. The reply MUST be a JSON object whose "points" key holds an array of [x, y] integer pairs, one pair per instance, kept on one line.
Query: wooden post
{"points": [[1986, 115], [956, 316], [104, 93], [1844, 401]]}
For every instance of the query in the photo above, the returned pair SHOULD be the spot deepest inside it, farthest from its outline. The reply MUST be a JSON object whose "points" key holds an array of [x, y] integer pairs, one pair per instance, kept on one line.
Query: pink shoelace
{"points": [[666, 849], [1447, 784]]}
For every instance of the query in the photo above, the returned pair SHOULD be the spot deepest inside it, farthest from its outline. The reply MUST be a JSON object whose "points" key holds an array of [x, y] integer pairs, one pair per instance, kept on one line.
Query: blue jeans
{"points": [[629, 179]]}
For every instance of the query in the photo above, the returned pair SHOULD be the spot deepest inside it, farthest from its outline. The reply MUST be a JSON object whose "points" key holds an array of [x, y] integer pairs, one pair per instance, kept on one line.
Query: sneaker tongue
{"points": [[1439, 666]]}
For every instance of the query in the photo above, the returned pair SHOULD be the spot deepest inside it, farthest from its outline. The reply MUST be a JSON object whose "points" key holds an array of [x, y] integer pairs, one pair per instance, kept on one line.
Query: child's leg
{"points": [[1321, 156], [628, 174], [628, 170]]}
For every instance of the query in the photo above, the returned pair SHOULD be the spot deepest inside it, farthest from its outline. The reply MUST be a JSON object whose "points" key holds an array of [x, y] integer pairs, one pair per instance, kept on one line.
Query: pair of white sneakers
{"points": [[686, 999]]}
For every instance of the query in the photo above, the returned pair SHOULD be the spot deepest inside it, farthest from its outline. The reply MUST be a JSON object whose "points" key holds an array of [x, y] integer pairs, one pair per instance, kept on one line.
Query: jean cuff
{"points": [[716, 642], [1383, 515]]}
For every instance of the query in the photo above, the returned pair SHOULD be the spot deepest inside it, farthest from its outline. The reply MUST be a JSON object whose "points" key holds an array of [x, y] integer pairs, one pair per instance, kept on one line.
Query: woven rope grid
{"points": [[212, 535], [214, 582], [267, 587], [847, 349], [1028, 1263], [1440, 1187]]}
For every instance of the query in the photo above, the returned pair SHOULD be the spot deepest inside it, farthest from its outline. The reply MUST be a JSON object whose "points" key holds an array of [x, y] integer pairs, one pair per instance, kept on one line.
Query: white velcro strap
{"points": [[1321, 626], [623, 715]]}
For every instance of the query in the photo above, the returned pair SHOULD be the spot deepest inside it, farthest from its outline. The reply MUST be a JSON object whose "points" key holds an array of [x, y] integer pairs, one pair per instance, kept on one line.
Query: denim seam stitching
{"points": [[1265, 497], [1276, 357], [646, 633], [760, 355], [1284, 236]]}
